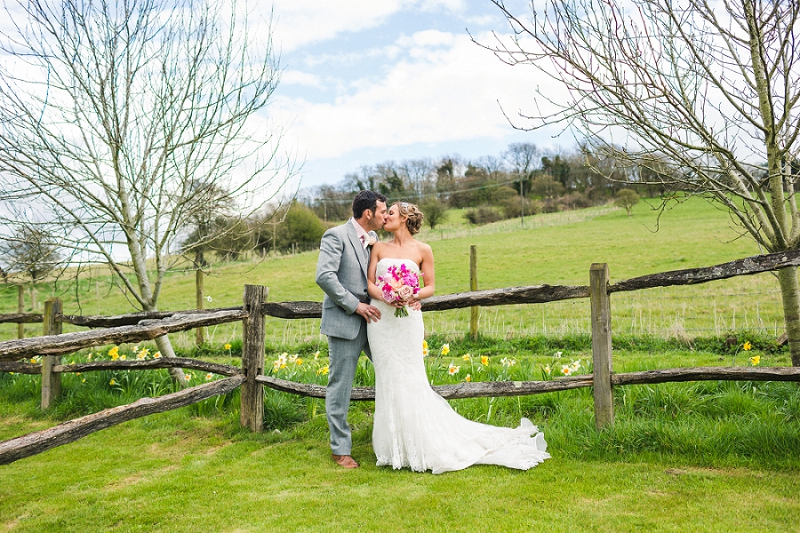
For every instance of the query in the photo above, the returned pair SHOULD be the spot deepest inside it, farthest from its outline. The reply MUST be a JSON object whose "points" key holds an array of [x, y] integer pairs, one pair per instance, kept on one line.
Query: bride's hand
{"points": [[396, 303]]}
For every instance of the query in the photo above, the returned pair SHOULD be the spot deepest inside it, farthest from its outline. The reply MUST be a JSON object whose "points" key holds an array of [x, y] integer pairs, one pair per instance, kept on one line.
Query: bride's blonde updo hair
{"points": [[415, 216]]}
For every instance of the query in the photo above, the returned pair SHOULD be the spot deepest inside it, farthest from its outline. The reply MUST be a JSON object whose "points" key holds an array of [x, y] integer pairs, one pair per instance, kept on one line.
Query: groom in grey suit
{"points": [[342, 275]]}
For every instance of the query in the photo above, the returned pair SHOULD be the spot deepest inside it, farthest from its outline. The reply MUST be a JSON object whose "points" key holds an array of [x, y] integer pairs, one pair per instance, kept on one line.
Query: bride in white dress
{"points": [[414, 427]]}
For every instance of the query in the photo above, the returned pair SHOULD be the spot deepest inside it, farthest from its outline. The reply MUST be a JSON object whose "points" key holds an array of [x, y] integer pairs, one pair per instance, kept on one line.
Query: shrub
{"points": [[482, 215]]}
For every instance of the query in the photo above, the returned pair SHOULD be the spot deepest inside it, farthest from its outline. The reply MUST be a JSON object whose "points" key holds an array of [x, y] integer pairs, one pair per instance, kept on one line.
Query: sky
{"points": [[365, 82]]}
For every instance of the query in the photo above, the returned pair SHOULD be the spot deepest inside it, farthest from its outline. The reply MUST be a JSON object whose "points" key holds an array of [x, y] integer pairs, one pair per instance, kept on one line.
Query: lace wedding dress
{"points": [[415, 427]]}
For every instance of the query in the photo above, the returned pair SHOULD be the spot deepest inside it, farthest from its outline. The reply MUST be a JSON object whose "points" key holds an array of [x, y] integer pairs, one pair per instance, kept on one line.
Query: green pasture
{"points": [[556, 248]]}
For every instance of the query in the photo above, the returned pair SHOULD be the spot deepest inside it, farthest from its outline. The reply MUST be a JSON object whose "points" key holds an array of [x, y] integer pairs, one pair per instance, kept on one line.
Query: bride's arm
{"points": [[374, 292], [428, 273]]}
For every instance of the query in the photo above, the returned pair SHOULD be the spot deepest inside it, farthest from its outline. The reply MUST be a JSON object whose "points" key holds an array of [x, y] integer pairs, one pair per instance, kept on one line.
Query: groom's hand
{"points": [[369, 312]]}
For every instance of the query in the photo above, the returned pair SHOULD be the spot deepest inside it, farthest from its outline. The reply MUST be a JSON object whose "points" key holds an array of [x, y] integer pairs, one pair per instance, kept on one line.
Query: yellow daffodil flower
{"points": [[485, 360], [445, 349], [323, 370], [112, 382], [468, 378], [114, 352], [755, 360], [466, 357], [747, 346], [227, 346]]}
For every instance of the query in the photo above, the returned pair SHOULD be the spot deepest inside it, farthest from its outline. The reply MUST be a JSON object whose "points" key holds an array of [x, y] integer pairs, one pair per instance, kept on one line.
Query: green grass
{"points": [[680, 457], [698, 456]]}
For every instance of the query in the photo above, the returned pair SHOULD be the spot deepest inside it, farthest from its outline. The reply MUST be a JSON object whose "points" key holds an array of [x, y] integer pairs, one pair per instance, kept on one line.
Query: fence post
{"points": [[252, 404], [601, 345], [20, 310], [200, 333], [473, 286], [51, 381]]}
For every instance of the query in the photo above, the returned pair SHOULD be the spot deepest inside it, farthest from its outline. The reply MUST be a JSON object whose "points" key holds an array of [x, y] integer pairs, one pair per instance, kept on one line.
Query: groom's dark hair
{"points": [[366, 200]]}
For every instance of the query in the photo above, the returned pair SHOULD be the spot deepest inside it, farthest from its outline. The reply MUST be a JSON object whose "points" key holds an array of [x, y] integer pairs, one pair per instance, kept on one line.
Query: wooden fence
{"points": [[144, 326]]}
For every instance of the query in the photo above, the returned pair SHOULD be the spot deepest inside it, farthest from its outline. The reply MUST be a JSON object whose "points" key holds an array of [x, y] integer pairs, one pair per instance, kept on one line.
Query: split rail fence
{"points": [[250, 376]]}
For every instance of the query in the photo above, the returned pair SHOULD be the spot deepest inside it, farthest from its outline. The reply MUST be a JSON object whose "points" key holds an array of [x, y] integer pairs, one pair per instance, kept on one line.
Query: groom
{"points": [[342, 275]]}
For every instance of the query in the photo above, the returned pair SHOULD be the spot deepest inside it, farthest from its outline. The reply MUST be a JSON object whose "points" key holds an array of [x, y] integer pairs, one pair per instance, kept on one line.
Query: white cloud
{"points": [[296, 77], [444, 88], [301, 22]]}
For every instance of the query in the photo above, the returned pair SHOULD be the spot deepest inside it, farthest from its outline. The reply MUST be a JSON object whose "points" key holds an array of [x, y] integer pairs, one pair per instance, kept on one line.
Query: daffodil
{"points": [[424, 344], [468, 378], [188, 376], [466, 357], [114, 353], [557, 355], [298, 361], [453, 369], [485, 360], [157, 355], [445, 349], [227, 346], [566, 370], [755, 360], [323, 370], [507, 362], [123, 357], [209, 376], [112, 382], [747, 346], [316, 354]]}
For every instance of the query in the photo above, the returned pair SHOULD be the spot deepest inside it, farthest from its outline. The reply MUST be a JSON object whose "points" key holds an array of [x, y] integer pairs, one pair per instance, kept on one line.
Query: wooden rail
{"points": [[33, 443], [147, 330]]}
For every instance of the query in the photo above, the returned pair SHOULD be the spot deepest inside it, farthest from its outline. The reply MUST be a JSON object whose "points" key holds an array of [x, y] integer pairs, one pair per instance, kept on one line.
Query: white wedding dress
{"points": [[415, 427]]}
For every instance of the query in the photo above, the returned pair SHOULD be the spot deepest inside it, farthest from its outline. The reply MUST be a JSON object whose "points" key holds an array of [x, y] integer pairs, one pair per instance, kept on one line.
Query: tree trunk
{"points": [[165, 347], [790, 295]]}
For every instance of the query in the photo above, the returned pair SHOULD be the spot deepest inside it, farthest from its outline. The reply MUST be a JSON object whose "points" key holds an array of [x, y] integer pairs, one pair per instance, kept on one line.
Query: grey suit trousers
{"points": [[344, 354]]}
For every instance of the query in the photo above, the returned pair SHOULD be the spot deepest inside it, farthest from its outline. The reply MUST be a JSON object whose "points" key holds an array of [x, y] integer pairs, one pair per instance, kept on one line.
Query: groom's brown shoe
{"points": [[345, 461]]}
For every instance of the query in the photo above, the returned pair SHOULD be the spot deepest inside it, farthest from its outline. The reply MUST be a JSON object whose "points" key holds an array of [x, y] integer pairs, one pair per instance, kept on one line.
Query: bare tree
{"points": [[127, 119], [712, 88], [32, 251]]}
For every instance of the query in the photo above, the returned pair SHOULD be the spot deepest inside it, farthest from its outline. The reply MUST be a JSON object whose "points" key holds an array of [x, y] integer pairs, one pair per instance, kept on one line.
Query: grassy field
{"points": [[700, 456], [554, 248]]}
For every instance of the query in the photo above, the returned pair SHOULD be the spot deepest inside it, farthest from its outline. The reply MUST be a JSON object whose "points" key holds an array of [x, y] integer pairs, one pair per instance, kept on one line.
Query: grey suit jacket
{"points": [[342, 275]]}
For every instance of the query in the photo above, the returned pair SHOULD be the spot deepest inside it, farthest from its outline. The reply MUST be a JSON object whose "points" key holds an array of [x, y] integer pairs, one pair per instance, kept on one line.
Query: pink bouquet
{"points": [[399, 284]]}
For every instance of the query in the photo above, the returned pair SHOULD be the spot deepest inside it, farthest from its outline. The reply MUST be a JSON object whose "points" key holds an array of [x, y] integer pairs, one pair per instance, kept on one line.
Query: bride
{"points": [[415, 427]]}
